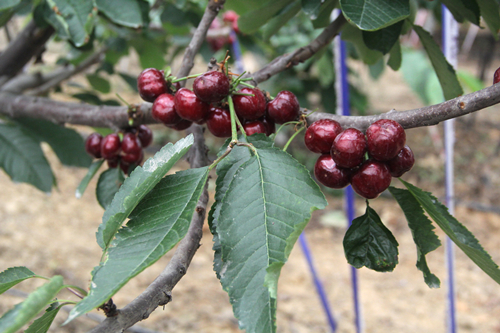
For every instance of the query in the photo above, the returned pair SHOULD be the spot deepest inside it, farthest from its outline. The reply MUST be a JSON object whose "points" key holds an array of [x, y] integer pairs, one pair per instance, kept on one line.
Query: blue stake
{"points": [[343, 108], [450, 47], [303, 242]]}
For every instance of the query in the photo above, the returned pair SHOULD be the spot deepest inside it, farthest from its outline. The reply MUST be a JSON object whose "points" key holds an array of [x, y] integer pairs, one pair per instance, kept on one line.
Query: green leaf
{"points": [[68, 144], [22, 158], [159, 222], [352, 34], [325, 11], [267, 204], [151, 54], [141, 181], [88, 98], [23, 312], [123, 12], [311, 7], [490, 13], [12, 276], [251, 21], [72, 19], [275, 24], [375, 14], [6, 4], [42, 324], [422, 231], [108, 184], [464, 8], [470, 81], [457, 232], [86, 180], [416, 70], [369, 243], [99, 83], [130, 80], [445, 72], [395, 57], [383, 40]]}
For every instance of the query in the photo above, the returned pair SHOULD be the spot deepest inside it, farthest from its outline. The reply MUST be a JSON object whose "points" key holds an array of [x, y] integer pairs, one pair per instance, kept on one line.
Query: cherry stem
{"points": [[122, 99], [79, 292], [291, 138], [220, 158], [247, 85], [187, 77], [234, 131], [243, 94], [288, 123], [240, 126]]}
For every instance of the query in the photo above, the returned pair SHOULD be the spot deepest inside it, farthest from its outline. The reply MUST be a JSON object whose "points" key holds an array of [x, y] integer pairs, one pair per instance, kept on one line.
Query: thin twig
{"points": [[71, 71]]}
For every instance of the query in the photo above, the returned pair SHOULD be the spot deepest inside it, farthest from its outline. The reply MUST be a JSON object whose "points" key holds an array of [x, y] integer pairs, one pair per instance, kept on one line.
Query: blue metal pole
{"points": [[343, 108], [450, 47]]}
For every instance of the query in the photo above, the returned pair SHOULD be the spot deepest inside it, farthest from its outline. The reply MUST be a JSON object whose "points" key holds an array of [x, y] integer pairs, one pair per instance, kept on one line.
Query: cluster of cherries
{"points": [[344, 157], [178, 108], [125, 152]]}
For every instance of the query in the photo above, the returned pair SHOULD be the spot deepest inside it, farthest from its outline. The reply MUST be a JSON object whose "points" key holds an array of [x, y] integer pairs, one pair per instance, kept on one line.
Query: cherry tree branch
{"points": [[19, 52], [116, 116], [285, 61], [213, 8]]}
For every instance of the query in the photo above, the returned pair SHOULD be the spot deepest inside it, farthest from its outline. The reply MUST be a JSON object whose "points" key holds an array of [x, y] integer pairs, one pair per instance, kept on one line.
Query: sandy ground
{"points": [[55, 234]]}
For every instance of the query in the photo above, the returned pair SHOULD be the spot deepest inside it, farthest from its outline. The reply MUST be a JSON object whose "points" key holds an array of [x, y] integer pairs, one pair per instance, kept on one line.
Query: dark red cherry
{"points": [[151, 84], [270, 125], [321, 134], [219, 122], [328, 174], [110, 146], [145, 135], [284, 108], [132, 157], [113, 162], [402, 163], [182, 125], [385, 139], [190, 107], [255, 126], [349, 148], [372, 178], [250, 107], [496, 76], [131, 144], [164, 110], [93, 145], [211, 87]]}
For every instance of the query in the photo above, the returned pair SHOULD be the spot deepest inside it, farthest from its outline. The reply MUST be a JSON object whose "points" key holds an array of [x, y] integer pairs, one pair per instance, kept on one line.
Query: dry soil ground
{"points": [[54, 234]]}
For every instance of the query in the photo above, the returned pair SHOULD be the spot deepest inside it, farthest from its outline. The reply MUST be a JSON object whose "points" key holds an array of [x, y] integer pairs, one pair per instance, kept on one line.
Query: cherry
{"points": [[255, 126], [250, 107], [321, 134], [402, 163], [231, 17], [164, 110], [385, 139], [182, 125], [211, 87], [93, 145], [151, 84], [110, 146], [496, 76], [372, 178], [219, 122], [190, 107], [270, 125], [125, 166], [131, 144], [145, 135], [349, 148], [328, 174], [284, 107], [113, 162]]}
